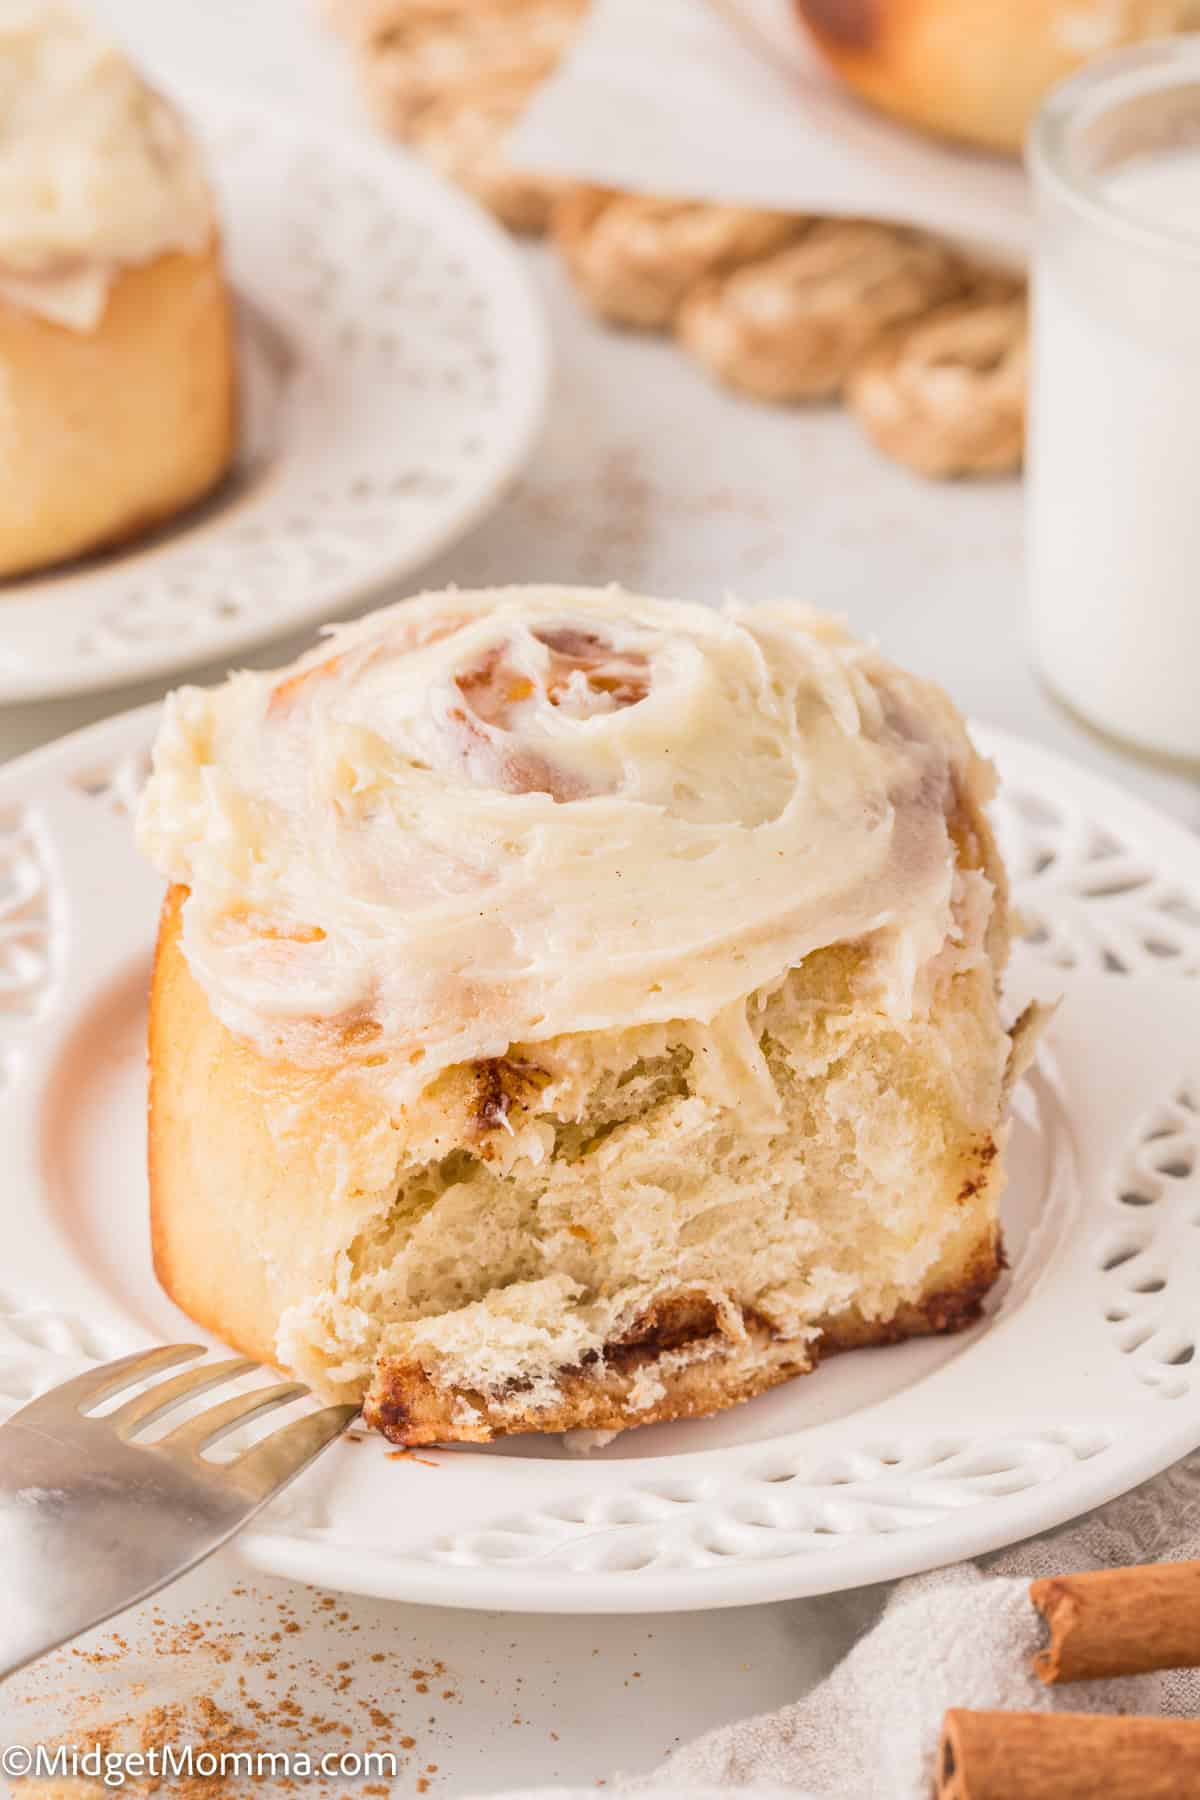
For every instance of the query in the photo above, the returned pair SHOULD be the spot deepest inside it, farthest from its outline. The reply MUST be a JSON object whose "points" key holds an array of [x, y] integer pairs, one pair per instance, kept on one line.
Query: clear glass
{"points": [[1113, 491]]}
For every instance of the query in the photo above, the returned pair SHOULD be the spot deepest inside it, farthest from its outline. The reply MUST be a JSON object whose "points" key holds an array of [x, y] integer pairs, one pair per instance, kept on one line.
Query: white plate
{"points": [[1081, 1381], [393, 365]]}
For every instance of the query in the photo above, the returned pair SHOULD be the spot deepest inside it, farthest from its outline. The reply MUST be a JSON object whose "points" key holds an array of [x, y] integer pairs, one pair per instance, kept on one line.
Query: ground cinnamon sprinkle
{"points": [[630, 513], [192, 1681]]}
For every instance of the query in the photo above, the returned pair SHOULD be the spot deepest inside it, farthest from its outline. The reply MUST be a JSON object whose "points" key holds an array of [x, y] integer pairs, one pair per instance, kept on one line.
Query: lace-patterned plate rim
{"points": [[393, 368], [1083, 1381]]}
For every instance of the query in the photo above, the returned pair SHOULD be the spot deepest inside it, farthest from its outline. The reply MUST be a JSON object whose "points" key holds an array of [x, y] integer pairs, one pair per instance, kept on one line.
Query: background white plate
{"points": [[394, 368], [1082, 1380]]}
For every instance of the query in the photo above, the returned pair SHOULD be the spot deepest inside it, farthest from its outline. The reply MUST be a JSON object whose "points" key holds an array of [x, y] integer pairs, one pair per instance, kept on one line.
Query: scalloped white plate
{"points": [[1082, 1380], [393, 368]]}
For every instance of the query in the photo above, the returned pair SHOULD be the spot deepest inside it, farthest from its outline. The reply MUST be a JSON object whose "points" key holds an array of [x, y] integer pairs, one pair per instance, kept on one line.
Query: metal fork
{"points": [[92, 1520]]}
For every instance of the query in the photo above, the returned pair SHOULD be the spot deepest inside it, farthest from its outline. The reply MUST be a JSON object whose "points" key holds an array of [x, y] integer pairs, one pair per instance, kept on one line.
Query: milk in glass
{"points": [[1114, 455]]}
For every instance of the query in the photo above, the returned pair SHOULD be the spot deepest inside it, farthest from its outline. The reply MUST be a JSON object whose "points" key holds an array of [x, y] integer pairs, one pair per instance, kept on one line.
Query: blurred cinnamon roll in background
{"points": [[116, 341], [573, 1009], [976, 70]]}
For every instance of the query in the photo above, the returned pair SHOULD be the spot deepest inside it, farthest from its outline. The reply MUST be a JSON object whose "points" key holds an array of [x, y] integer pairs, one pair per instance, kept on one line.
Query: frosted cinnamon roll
{"points": [[115, 335], [573, 1009]]}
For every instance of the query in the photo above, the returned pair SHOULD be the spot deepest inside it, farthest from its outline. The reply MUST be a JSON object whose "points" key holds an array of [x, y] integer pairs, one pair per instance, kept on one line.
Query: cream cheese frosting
{"points": [[484, 818], [97, 171]]}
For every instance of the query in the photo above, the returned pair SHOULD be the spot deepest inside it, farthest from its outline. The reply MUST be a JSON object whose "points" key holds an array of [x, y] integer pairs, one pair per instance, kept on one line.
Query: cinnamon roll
{"points": [[573, 1009], [976, 70], [115, 334]]}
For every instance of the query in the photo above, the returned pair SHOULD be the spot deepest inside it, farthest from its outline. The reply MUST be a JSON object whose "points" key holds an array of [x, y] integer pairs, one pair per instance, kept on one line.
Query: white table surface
{"points": [[648, 476]]}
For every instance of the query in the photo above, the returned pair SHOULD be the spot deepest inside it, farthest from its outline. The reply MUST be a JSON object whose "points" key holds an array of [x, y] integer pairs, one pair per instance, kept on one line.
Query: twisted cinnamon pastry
{"points": [[415, 56], [791, 326], [946, 395], [634, 257]]}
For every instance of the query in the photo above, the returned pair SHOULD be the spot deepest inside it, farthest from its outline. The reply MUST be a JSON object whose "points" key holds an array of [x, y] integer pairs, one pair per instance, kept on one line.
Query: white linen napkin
{"points": [[674, 98], [962, 1636]]}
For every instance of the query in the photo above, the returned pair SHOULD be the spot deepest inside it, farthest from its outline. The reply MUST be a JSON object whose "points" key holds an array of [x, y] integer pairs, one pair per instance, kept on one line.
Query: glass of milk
{"points": [[1114, 450]]}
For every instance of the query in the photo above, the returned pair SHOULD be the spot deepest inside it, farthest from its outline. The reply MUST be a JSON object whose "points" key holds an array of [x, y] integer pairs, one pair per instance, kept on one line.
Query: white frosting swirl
{"points": [[478, 819], [97, 172]]}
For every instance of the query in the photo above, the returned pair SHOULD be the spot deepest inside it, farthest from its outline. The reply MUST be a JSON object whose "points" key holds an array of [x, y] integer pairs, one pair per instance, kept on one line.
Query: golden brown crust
{"points": [[975, 70], [406, 1407], [410, 1409], [185, 1239], [106, 433], [238, 1204], [945, 394]]}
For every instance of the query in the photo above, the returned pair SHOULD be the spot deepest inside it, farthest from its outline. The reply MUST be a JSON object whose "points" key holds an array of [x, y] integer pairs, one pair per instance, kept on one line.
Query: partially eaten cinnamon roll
{"points": [[573, 1010]]}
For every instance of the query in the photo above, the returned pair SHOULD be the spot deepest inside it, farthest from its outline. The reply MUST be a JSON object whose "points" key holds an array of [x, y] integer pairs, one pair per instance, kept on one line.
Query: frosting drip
{"points": [[96, 169], [478, 819]]}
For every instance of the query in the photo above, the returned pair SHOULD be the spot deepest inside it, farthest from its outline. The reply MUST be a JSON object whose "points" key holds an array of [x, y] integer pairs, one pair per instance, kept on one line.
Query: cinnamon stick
{"points": [[1119, 1621], [1066, 1756]]}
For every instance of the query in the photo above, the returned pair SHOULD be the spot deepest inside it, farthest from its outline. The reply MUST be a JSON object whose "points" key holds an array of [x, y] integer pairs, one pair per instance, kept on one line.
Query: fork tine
{"points": [[95, 1385], [217, 1421], [285, 1452], [143, 1409]]}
